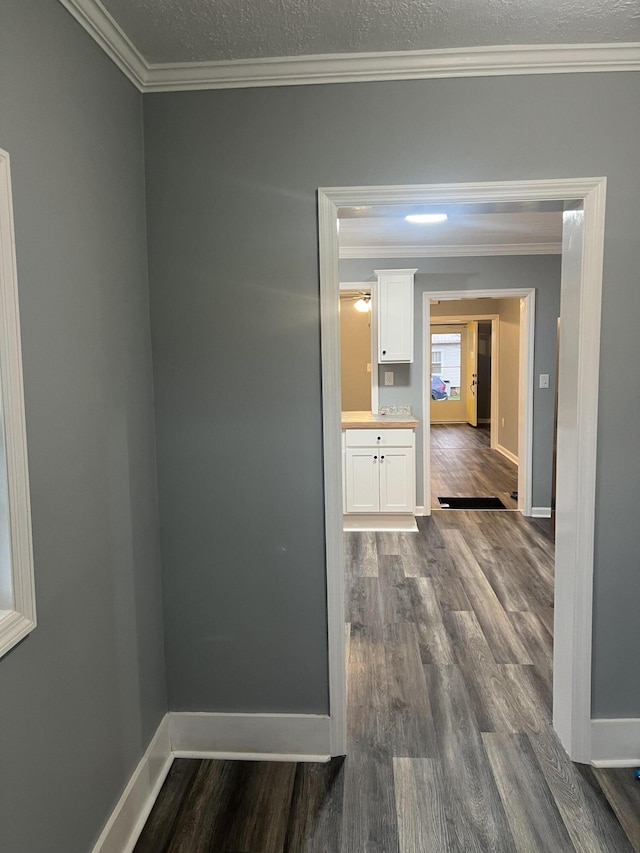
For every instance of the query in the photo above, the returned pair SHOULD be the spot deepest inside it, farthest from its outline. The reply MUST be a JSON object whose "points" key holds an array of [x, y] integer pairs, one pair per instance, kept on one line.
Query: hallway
{"points": [[449, 712], [464, 465]]}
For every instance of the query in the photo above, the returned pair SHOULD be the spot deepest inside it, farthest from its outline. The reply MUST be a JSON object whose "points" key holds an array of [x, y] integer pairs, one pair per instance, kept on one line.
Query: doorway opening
{"points": [[497, 375], [583, 233]]}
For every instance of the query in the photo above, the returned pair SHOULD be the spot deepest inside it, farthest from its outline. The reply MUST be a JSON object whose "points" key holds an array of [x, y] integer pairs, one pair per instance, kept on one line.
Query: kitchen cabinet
{"points": [[379, 471], [394, 309]]}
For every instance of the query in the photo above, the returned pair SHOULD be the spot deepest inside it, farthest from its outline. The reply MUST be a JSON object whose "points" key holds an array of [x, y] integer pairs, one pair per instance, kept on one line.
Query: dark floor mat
{"points": [[471, 503]]}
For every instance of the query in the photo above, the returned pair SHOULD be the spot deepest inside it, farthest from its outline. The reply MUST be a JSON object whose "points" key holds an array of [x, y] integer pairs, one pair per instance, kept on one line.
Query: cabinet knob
{"points": [[374, 458], [381, 458], [384, 352], [379, 438]]}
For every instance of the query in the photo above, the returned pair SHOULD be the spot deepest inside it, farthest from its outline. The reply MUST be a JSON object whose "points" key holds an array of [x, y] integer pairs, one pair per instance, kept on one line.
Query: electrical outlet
{"points": [[544, 380], [388, 377]]}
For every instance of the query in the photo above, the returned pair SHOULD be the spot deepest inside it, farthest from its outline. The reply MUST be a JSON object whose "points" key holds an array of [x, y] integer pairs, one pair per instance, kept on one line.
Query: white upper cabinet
{"points": [[395, 315]]}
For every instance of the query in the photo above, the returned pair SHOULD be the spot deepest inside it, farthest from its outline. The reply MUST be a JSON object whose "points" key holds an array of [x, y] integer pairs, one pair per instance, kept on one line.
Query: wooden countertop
{"points": [[366, 420]]}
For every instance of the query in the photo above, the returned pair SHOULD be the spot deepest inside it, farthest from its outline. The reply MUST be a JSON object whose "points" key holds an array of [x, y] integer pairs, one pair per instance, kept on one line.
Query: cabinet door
{"points": [[395, 317], [397, 480], [363, 480]]}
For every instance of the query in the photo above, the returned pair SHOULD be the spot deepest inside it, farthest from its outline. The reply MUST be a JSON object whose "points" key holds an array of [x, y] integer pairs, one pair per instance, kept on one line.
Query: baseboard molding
{"points": [[507, 453], [615, 742], [540, 512], [380, 522], [255, 737], [134, 806]]}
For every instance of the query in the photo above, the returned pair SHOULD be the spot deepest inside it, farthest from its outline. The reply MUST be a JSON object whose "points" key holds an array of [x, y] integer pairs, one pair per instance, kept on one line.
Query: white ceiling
{"points": [[168, 31], [464, 233]]}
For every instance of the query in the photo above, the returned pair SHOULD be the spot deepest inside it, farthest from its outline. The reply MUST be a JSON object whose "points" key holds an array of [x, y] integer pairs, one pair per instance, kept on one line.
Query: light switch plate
{"points": [[544, 380], [388, 377]]}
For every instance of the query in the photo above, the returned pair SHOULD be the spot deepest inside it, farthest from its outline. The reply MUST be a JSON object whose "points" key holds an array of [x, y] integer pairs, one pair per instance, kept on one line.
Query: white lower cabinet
{"points": [[379, 477]]}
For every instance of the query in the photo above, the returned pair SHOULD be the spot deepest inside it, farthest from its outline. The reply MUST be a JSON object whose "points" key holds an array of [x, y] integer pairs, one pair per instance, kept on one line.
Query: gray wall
{"points": [[83, 694], [539, 271], [232, 178]]}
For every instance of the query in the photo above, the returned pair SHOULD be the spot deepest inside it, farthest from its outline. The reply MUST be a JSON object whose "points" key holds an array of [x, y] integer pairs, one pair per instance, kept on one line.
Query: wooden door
{"points": [[472, 373]]}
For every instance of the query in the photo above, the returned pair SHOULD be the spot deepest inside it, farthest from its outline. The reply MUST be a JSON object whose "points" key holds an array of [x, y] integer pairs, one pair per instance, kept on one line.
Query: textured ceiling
{"points": [[461, 229], [207, 30]]}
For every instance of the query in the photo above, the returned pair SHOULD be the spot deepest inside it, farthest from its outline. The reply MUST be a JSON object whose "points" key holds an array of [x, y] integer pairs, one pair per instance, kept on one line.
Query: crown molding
{"points": [[94, 18], [461, 251], [396, 65], [346, 67]]}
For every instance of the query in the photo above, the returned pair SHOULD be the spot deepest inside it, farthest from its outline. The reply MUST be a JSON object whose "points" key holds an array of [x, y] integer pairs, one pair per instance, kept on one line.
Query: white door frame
{"points": [[579, 362], [527, 297]]}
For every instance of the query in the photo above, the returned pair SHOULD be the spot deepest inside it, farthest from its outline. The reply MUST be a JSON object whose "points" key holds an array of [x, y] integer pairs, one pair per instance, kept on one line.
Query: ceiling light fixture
{"points": [[363, 305], [426, 218]]}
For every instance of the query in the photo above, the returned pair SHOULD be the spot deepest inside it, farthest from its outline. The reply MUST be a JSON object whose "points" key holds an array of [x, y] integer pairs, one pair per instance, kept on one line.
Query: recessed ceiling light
{"points": [[426, 218]]}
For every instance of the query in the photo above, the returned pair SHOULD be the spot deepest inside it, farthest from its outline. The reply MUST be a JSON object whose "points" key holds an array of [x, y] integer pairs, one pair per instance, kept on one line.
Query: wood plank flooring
{"points": [[449, 719], [464, 465]]}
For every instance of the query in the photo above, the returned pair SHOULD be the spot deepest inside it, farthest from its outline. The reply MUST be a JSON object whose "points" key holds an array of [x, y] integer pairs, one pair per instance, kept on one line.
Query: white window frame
{"points": [[20, 620]]}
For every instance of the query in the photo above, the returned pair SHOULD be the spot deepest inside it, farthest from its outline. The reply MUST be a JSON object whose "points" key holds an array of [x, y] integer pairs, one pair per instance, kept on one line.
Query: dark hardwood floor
{"points": [[449, 717], [464, 465]]}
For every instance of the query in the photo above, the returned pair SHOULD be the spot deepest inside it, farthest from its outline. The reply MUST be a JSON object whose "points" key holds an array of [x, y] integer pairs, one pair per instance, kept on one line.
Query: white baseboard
{"points": [[134, 806], [616, 742], [420, 511], [540, 512], [509, 455], [255, 737], [380, 522]]}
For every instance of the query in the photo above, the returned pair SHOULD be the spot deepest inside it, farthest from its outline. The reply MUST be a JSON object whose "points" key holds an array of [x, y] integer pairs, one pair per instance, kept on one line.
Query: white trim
{"points": [[332, 446], [507, 453], [615, 742], [579, 370], [284, 737], [486, 61], [540, 512], [355, 286], [577, 419], [394, 65], [103, 28], [380, 522], [460, 251], [375, 365], [525, 384], [525, 402], [16, 623], [127, 820]]}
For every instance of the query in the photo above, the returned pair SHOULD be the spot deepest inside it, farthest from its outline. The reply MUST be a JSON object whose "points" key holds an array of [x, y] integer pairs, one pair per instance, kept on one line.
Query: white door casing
{"points": [[579, 361], [527, 297]]}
